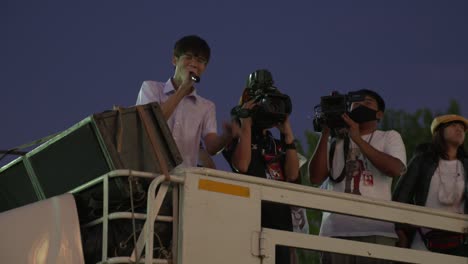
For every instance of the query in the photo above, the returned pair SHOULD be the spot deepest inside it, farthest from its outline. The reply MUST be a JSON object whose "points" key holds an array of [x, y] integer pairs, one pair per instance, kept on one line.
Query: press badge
{"points": [[368, 178]]}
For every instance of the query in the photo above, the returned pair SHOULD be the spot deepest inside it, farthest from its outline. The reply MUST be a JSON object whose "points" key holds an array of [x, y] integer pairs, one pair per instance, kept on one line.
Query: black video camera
{"points": [[271, 106], [331, 109]]}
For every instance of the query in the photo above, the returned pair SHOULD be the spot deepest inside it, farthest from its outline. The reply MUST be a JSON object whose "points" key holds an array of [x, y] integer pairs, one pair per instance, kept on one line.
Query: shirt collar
{"points": [[169, 89]]}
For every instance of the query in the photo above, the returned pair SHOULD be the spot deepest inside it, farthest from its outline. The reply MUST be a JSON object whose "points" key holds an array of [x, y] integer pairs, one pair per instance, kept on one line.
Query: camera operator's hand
{"points": [[286, 130], [242, 155], [247, 121], [353, 128], [249, 104]]}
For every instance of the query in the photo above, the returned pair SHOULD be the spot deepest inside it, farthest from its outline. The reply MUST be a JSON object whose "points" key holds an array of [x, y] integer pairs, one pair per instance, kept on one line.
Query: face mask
{"points": [[362, 114]]}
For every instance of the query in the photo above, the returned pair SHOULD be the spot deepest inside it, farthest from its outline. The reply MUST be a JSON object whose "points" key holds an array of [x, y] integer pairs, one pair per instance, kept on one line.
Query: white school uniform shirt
{"points": [[193, 118]]}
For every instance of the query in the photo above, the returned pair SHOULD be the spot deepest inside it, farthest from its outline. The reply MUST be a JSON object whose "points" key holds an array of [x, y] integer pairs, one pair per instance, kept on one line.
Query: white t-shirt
{"points": [[452, 175], [362, 178], [193, 118]]}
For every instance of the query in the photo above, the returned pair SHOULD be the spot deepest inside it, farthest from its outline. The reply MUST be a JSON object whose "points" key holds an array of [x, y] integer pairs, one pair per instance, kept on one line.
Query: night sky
{"points": [[61, 61]]}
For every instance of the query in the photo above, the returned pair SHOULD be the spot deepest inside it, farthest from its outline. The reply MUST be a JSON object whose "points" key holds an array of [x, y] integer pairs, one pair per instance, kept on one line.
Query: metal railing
{"points": [[154, 202]]}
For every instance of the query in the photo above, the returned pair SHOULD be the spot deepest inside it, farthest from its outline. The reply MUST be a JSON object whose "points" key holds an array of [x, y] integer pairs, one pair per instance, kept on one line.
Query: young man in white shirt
{"points": [[364, 163], [191, 118]]}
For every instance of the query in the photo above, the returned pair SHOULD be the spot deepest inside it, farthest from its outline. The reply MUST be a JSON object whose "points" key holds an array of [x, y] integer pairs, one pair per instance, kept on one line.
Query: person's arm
{"points": [[404, 192], [205, 159], [403, 240], [215, 143], [318, 167], [185, 88], [291, 163], [384, 162], [406, 185], [243, 153]]}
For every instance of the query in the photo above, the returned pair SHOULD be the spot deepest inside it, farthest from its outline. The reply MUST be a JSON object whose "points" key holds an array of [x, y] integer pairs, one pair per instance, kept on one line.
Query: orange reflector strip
{"points": [[222, 187]]}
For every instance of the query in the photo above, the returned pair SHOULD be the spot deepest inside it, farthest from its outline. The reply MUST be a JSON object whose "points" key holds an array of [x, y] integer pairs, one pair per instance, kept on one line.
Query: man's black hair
{"points": [[376, 96], [193, 44]]}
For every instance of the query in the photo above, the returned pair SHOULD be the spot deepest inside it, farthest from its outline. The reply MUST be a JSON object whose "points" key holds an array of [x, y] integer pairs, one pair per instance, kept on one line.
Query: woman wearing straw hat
{"points": [[437, 178]]}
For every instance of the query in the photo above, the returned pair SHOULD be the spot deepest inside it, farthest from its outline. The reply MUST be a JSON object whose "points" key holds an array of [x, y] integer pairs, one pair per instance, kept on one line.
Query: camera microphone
{"points": [[194, 77]]}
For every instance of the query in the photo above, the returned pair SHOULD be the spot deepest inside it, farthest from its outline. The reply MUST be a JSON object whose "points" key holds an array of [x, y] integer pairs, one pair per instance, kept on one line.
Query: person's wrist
{"points": [[326, 131], [181, 92], [289, 138], [185, 88], [290, 146], [246, 127], [246, 122], [357, 139]]}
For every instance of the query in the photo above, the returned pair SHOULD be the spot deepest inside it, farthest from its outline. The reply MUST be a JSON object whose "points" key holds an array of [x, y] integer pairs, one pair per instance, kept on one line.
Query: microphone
{"points": [[194, 77]]}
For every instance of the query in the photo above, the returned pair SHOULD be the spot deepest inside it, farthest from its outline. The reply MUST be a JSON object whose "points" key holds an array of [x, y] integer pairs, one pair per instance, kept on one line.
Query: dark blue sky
{"points": [[61, 61]]}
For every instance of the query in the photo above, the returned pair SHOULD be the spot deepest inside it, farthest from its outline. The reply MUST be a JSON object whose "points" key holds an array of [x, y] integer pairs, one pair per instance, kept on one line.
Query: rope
{"points": [[130, 182]]}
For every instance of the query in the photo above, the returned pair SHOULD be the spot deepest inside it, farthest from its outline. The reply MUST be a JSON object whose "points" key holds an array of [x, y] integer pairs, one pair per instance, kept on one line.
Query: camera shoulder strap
{"points": [[332, 154]]}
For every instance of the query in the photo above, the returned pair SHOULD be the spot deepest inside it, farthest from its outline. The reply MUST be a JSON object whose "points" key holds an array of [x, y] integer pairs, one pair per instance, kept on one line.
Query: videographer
{"points": [[362, 161], [254, 151]]}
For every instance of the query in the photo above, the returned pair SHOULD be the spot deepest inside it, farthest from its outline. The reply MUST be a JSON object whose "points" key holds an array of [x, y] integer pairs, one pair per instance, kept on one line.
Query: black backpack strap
{"points": [[330, 159], [331, 153]]}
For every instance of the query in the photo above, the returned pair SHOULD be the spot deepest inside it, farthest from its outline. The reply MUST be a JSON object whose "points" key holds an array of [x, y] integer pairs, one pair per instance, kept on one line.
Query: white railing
{"points": [[206, 218], [314, 198]]}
